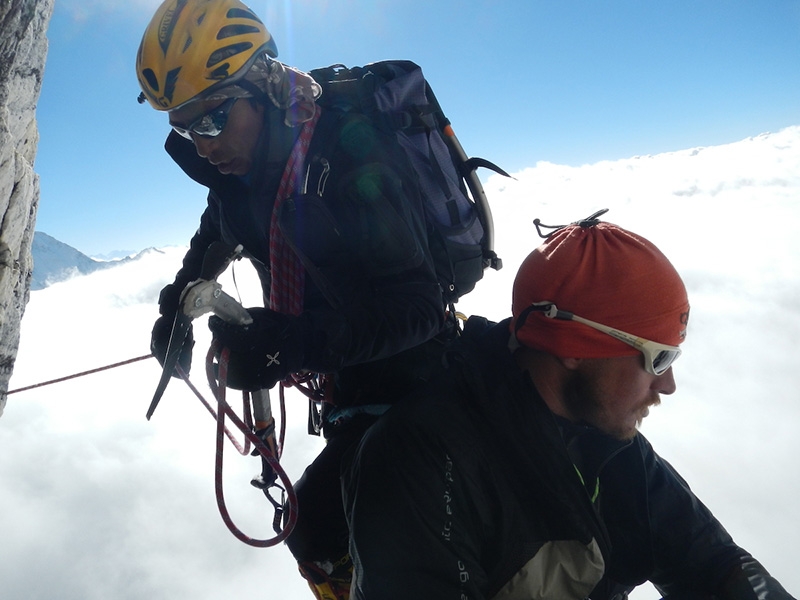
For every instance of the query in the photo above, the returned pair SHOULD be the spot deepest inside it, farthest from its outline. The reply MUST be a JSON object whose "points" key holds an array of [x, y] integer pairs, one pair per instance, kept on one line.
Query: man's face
{"points": [[615, 394], [233, 150]]}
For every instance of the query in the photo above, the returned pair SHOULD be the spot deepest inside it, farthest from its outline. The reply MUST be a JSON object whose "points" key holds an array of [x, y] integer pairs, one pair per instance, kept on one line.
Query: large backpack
{"points": [[395, 96]]}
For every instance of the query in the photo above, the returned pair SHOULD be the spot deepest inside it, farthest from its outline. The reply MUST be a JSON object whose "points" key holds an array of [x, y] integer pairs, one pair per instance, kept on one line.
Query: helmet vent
{"points": [[151, 78], [225, 53], [191, 47], [169, 84], [220, 72], [240, 13], [234, 30]]}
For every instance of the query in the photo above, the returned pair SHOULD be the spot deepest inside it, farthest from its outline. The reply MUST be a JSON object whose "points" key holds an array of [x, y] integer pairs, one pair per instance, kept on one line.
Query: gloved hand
{"points": [[162, 329], [262, 353]]}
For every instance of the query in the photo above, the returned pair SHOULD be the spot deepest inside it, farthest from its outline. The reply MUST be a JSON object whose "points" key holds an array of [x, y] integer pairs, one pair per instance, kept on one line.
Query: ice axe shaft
{"points": [[265, 429], [262, 408]]}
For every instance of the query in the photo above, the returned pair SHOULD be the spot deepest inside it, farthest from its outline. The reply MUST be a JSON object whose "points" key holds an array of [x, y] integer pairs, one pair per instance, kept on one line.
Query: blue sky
{"points": [[523, 81]]}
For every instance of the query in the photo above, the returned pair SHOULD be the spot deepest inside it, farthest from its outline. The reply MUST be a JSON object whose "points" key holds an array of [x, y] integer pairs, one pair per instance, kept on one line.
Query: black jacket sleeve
{"points": [[692, 550]]}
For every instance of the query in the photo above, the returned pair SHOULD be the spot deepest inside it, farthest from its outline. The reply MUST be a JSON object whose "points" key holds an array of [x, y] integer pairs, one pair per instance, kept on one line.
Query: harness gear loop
{"points": [[318, 388]]}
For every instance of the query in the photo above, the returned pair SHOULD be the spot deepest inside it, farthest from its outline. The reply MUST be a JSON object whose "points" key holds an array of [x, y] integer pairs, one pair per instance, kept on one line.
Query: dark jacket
{"points": [[475, 490], [371, 293]]}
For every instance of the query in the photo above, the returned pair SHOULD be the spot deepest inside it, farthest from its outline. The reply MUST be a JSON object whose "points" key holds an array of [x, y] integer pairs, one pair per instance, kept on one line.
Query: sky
{"points": [[100, 503], [569, 82]]}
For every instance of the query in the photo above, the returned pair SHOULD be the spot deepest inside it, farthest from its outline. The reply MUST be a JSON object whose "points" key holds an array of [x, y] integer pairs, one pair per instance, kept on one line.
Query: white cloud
{"points": [[98, 502], [102, 503]]}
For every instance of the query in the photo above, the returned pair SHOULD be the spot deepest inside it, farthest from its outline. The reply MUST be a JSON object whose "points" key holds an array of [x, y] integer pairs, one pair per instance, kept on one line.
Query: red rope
{"points": [[245, 426], [60, 379], [316, 386], [225, 409], [243, 449]]}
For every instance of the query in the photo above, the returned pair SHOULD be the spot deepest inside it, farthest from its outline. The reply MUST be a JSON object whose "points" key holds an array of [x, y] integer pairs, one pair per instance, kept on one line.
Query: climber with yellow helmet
{"points": [[323, 207]]}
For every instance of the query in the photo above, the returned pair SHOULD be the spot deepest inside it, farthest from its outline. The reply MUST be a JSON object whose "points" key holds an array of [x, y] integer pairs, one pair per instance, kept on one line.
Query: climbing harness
{"points": [[318, 388]]}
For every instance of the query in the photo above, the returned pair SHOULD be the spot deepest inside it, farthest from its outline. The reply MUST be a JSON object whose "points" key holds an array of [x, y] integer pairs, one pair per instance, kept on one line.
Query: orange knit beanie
{"points": [[604, 273]]}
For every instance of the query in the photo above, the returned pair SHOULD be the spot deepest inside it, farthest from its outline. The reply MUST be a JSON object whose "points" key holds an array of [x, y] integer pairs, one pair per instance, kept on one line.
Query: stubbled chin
{"points": [[646, 410], [642, 416]]}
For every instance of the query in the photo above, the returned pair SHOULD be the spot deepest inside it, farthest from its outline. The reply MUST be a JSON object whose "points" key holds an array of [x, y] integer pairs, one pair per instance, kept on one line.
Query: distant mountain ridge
{"points": [[55, 261]]}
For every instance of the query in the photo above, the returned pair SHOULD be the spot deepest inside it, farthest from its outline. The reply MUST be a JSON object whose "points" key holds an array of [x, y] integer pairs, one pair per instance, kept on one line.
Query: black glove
{"points": [[262, 353], [162, 329]]}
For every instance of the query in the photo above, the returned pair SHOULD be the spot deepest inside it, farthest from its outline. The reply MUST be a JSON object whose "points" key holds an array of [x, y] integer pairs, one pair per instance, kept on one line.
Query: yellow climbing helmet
{"points": [[192, 47]]}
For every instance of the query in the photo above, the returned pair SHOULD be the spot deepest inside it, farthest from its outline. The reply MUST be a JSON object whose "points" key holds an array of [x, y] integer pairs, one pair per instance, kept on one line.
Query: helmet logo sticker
{"points": [[169, 87], [167, 26]]}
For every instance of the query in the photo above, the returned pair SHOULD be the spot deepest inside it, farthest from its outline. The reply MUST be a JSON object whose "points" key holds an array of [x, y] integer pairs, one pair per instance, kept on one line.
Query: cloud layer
{"points": [[100, 503]]}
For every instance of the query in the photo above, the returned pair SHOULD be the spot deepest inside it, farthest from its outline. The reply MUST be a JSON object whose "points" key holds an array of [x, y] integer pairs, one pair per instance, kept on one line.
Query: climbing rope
{"points": [[217, 378], [90, 372], [244, 448]]}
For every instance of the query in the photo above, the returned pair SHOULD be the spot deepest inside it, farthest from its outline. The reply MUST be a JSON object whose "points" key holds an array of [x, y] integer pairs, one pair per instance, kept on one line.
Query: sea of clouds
{"points": [[100, 503]]}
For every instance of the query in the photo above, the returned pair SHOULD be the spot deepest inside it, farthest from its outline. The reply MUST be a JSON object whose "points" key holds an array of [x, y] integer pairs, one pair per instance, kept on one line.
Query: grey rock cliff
{"points": [[23, 49]]}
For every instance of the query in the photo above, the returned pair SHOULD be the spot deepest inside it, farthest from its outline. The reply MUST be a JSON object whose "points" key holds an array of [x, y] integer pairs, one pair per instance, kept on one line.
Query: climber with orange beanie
{"points": [[520, 473]]}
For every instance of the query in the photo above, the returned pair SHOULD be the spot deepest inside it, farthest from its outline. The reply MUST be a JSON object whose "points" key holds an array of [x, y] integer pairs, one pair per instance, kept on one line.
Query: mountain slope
{"points": [[55, 261]]}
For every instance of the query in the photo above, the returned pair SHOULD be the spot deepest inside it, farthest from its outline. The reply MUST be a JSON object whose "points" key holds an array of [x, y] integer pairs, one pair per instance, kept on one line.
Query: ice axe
{"points": [[201, 296]]}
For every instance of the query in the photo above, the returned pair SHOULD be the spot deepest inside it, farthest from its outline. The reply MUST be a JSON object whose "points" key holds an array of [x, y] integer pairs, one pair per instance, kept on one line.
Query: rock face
{"points": [[23, 49]]}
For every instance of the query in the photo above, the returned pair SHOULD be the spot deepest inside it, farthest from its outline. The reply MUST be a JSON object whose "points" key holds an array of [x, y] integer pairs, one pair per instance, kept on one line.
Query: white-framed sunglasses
{"points": [[658, 358]]}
